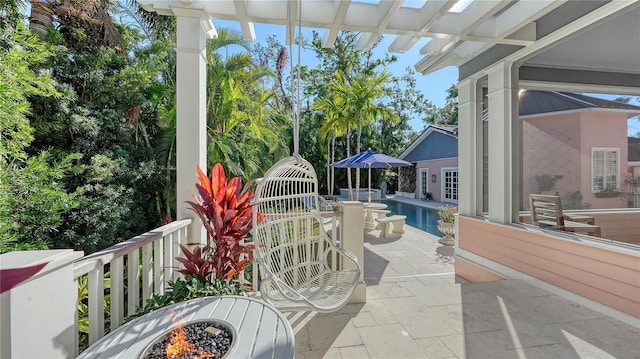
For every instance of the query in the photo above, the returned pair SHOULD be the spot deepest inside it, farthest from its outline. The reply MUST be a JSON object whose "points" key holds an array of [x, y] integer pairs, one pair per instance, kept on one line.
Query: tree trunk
{"points": [[358, 150], [348, 168], [41, 15], [328, 167], [333, 159]]}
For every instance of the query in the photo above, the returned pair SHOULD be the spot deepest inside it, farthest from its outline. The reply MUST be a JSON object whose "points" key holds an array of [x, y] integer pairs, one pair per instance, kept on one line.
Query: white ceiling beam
{"points": [[248, 30], [472, 26], [293, 21], [447, 48], [363, 40], [389, 8], [403, 43], [543, 8], [331, 34]]}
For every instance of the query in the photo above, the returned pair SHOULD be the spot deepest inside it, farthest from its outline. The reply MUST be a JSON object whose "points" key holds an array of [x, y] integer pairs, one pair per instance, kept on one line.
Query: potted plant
{"points": [[446, 223]]}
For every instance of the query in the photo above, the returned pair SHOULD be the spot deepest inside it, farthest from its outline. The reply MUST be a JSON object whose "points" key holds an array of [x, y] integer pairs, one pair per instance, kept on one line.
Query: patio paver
{"points": [[416, 309]]}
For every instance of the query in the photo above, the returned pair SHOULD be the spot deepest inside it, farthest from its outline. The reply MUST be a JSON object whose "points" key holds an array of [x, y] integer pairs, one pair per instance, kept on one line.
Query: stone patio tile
{"points": [[332, 331], [392, 254], [389, 341], [332, 353], [577, 350], [554, 309], [303, 341], [472, 324], [455, 344], [425, 327], [435, 295], [387, 290], [353, 309], [484, 345], [407, 308], [401, 278], [437, 278], [379, 311], [403, 268], [356, 352], [481, 286], [609, 335], [364, 319], [434, 268], [434, 348], [451, 314]]}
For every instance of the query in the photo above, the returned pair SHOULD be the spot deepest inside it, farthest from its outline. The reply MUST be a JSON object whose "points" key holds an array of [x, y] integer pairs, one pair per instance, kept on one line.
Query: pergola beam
{"points": [[248, 31], [389, 9], [330, 35]]}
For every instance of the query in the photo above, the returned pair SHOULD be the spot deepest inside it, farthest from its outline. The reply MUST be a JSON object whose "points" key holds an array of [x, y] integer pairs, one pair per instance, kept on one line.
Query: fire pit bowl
{"points": [[204, 339], [258, 329]]}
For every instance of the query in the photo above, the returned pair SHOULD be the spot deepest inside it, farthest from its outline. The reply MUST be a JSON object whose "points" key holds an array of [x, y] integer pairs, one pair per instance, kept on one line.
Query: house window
{"points": [[450, 184], [605, 166]]}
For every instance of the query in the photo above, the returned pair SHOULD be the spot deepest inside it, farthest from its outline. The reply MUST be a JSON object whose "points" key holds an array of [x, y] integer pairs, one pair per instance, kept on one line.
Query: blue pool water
{"points": [[422, 218]]}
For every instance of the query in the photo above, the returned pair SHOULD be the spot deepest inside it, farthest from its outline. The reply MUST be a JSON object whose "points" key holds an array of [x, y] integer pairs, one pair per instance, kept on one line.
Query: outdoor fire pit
{"points": [[203, 339], [204, 328]]}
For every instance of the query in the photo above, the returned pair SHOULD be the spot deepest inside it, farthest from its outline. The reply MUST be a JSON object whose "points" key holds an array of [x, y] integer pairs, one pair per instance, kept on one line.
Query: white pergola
{"points": [[499, 47]]}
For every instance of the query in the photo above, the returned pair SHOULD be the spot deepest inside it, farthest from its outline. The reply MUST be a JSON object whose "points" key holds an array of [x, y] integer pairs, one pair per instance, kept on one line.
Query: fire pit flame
{"points": [[181, 347], [201, 339]]}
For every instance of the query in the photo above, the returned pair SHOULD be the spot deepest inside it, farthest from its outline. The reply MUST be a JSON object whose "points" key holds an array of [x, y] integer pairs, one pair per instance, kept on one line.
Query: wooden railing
{"points": [[147, 263]]}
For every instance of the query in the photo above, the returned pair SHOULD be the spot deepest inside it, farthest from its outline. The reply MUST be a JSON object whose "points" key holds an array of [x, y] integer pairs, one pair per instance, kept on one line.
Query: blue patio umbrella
{"points": [[370, 159]]}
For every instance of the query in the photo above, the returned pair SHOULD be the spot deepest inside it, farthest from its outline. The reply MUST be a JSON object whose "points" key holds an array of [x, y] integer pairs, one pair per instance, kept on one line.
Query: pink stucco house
{"points": [[572, 144]]}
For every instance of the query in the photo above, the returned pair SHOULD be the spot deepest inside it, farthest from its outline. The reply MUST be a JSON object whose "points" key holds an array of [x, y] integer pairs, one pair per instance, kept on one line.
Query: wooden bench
{"points": [[396, 220], [546, 211]]}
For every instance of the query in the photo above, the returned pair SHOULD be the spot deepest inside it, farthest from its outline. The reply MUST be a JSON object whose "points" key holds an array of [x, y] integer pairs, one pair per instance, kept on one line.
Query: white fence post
{"points": [[352, 240], [38, 316]]}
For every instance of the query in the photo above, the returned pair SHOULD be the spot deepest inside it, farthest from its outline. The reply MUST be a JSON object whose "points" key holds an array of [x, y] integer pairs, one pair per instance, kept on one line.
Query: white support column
{"points": [[352, 239], [191, 132], [503, 143], [470, 161], [38, 317]]}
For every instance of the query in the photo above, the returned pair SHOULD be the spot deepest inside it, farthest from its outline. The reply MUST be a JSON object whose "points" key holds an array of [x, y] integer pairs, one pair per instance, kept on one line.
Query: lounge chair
{"points": [[546, 211]]}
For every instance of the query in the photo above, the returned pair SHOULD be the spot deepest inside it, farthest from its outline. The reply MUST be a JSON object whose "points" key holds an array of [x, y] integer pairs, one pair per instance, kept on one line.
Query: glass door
{"points": [[424, 183], [450, 184]]}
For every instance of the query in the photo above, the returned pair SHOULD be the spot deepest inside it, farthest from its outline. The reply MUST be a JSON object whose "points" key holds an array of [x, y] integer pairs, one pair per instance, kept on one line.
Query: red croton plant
{"points": [[226, 212]]}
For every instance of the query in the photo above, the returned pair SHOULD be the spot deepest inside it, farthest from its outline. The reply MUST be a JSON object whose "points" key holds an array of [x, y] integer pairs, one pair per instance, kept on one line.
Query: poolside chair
{"points": [[294, 253], [546, 211]]}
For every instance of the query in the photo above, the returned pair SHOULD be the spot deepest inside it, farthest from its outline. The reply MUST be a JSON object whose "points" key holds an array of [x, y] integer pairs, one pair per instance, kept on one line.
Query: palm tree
{"points": [[360, 95], [242, 124], [336, 123], [92, 16]]}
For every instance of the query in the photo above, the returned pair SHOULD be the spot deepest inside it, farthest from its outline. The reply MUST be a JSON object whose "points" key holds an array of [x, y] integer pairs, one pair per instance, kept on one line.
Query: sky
{"points": [[433, 85]]}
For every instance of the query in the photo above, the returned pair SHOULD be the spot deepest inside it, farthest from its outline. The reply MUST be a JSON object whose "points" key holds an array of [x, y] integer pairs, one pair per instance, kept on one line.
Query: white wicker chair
{"points": [[293, 250]]}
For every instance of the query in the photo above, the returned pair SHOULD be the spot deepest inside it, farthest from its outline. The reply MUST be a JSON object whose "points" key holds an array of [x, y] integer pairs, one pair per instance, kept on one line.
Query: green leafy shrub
{"points": [[190, 288]]}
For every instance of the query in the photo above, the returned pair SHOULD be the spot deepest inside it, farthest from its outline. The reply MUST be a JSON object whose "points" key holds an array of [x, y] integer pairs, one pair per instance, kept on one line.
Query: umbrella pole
{"points": [[369, 184]]}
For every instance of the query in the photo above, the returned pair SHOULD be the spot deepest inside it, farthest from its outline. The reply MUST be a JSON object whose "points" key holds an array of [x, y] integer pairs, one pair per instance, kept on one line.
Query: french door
{"points": [[424, 183], [450, 185]]}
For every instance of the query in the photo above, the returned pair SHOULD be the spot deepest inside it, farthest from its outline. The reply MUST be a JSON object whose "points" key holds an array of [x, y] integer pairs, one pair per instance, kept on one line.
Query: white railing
{"points": [[137, 269], [155, 251]]}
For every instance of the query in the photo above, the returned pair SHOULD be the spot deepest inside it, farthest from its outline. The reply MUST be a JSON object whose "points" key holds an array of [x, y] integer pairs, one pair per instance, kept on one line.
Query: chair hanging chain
{"points": [[295, 86]]}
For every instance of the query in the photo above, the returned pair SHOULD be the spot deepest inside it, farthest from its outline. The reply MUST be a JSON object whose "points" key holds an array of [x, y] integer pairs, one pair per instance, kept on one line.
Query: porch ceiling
{"points": [[456, 34]]}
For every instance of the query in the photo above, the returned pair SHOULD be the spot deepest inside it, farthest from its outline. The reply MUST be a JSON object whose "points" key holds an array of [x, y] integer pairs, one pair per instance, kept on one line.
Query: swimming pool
{"points": [[422, 218]]}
